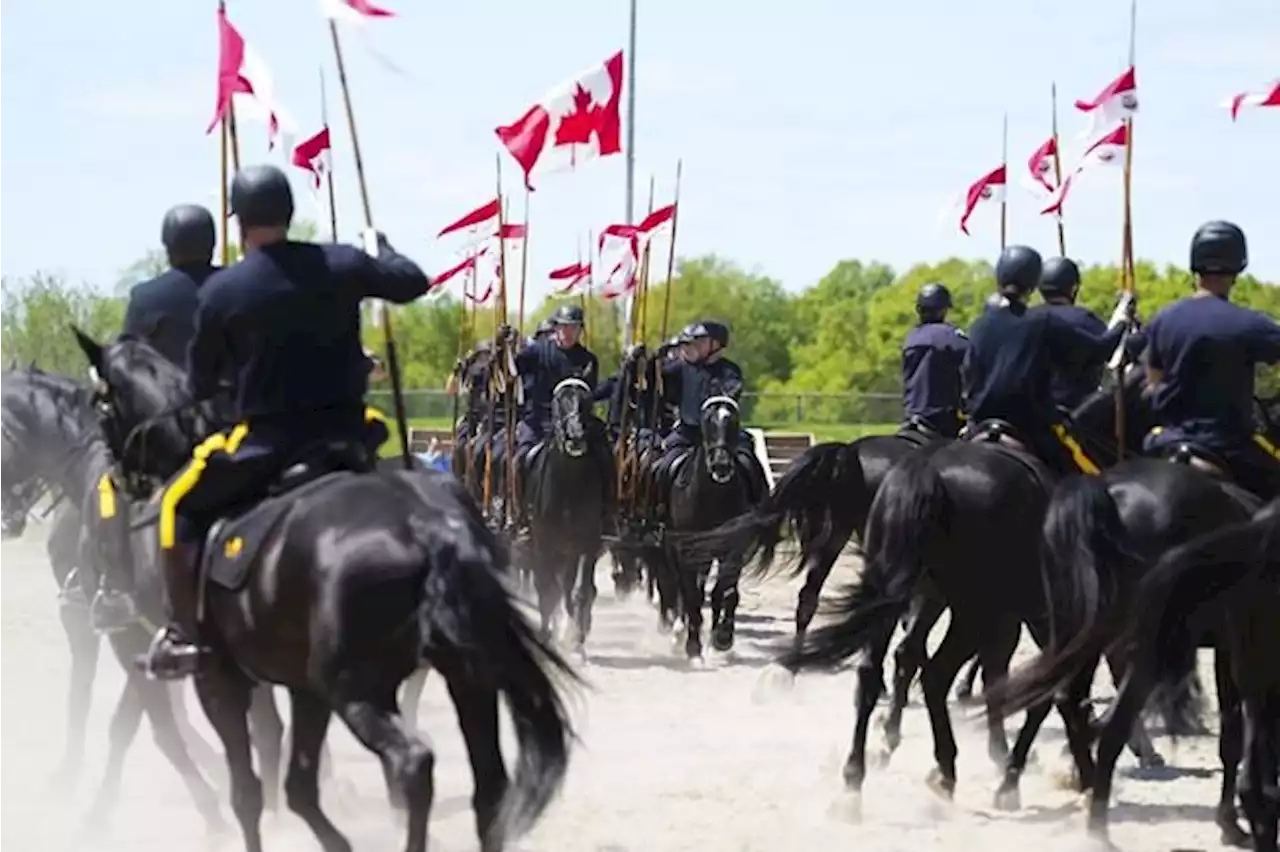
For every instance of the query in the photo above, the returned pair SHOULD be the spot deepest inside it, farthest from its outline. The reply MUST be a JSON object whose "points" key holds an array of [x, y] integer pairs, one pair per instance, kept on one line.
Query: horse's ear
{"points": [[92, 350]]}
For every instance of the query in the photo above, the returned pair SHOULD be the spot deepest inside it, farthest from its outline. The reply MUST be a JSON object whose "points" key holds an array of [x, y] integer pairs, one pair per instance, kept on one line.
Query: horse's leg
{"points": [[411, 697], [724, 601], [204, 755], [546, 579], [964, 692], [1140, 741], [1231, 738], [994, 652], [477, 706], [661, 574], [586, 593], [1008, 796], [309, 717], [820, 565], [83, 642], [1130, 699], [124, 727], [378, 726], [869, 683], [267, 731], [907, 659], [693, 580], [939, 672], [1258, 783], [225, 695], [158, 705]]}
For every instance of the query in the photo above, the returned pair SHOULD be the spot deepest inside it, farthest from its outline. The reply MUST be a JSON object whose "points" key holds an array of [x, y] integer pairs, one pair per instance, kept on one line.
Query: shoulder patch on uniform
{"points": [[961, 333]]}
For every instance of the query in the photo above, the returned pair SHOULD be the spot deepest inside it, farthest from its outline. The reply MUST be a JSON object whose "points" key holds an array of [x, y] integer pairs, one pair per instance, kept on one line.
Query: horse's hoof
{"points": [[1234, 835], [1154, 760], [722, 641], [847, 807], [696, 661], [940, 785], [1008, 799]]}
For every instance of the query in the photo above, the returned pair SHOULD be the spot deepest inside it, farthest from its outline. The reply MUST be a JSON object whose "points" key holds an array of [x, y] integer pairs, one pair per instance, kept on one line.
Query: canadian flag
{"points": [[1268, 97], [312, 155], [243, 79], [569, 277], [990, 188], [1108, 150], [1040, 166], [1118, 101], [353, 11], [575, 122], [480, 223]]}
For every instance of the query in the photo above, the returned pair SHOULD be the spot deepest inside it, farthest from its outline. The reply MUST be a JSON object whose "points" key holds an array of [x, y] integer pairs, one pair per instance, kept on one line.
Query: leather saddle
{"points": [[1002, 435], [235, 539], [1194, 455]]}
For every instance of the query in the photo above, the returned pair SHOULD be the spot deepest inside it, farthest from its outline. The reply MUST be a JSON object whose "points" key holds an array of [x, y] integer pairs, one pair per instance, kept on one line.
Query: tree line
{"points": [[837, 339]]}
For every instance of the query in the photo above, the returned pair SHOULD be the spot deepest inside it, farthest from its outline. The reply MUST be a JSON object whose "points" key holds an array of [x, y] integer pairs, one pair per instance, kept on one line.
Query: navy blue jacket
{"points": [[1206, 350], [932, 356], [688, 386], [162, 311], [544, 364], [285, 323], [1075, 379], [1009, 368]]}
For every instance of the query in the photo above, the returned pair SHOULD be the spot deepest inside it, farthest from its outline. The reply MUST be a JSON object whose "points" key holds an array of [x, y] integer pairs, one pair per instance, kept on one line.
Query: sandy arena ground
{"points": [[670, 759]]}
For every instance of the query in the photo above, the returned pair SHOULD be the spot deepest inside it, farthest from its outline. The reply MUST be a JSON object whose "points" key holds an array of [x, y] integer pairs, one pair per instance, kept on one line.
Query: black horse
{"points": [[563, 489], [339, 589], [709, 485], [49, 424], [1224, 581], [1102, 536], [964, 516]]}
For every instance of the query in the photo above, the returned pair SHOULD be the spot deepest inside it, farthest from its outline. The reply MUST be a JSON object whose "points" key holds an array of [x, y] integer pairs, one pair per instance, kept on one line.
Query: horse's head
{"points": [[570, 407], [720, 428], [144, 406], [22, 486]]}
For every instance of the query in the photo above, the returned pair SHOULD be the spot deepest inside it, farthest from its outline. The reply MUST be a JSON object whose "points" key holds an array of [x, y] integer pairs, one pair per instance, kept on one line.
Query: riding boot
{"points": [[174, 653]]}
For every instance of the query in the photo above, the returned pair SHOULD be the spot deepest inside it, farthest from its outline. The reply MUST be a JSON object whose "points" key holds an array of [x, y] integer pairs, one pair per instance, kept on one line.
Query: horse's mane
{"points": [[50, 397], [138, 358]]}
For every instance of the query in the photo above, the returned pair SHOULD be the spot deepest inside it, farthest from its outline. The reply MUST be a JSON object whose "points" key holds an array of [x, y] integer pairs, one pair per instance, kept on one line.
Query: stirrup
{"points": [[71, 595], [170, 656], [112, 611]]}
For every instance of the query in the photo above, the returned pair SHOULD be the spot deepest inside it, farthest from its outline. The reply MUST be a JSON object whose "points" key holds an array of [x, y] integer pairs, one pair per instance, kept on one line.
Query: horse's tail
{"points": [[911, 508], [1084, 555], [471, 628], [1185, 579], [814, 499]]}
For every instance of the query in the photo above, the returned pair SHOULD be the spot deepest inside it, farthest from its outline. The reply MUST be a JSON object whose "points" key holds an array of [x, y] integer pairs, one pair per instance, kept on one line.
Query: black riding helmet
{"points": [[933, 299], [544, 327], [1219, 248], [1060, 277], [262, 198], [1018, 270], [567, 315], [717, 331], [692, 332], [188, 234]]}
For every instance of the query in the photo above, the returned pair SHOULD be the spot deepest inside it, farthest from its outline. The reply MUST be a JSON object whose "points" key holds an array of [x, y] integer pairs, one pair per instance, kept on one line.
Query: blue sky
{"points": [[811, 131]]}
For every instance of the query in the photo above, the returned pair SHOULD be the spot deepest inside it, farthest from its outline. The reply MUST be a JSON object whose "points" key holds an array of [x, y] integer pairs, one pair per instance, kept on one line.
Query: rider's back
{"points": [[1206, 350], [286, 321], [1008, 367]]}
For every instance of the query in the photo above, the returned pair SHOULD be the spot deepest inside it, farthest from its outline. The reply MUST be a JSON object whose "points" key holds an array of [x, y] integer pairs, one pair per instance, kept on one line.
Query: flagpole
{"points": [[631, 147], [224, 195], [524, 258], [1004, 199], [328, 172], [1127, 273], [1057, 164], [393, 361]]}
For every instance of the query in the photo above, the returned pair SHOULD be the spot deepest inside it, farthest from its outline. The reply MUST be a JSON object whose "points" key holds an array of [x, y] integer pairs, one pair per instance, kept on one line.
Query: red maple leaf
{"points": [[576, 127]]}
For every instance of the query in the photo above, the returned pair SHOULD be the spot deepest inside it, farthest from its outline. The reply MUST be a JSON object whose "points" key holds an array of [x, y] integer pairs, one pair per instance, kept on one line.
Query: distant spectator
{"points": [[435, 457]]}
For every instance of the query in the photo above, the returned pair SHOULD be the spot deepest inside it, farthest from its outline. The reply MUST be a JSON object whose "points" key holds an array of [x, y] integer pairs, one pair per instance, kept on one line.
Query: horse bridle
{"points": [[570, 382], [714, 402]]}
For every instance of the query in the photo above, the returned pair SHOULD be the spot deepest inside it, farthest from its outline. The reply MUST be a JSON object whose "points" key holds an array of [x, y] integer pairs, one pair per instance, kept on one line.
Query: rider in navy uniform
{"points": [[471, 376], [162, 310], [1073, 380], [931, 359], [702, 372], [285, 323], [1202, 352], [1012, 350], [543, 365]]}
